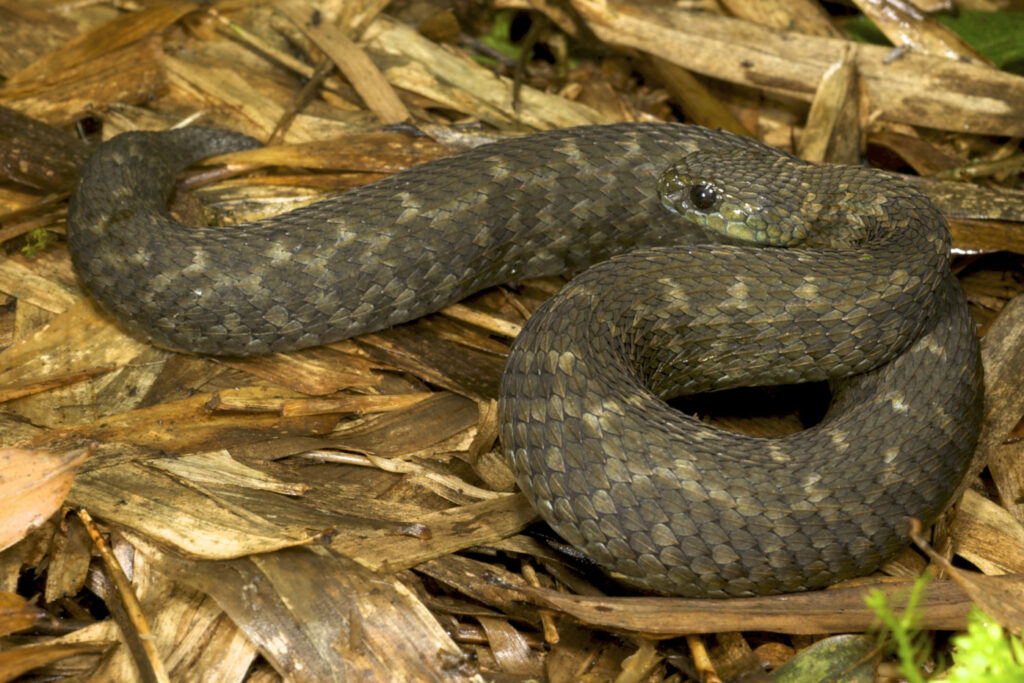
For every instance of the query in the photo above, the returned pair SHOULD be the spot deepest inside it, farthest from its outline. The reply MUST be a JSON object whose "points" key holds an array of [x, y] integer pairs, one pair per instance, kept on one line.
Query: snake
{"points": [[700, 261]]}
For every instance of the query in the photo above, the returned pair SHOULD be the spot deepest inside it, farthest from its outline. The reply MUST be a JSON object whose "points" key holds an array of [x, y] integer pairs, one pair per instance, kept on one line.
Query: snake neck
{"points": [[851, 207]]}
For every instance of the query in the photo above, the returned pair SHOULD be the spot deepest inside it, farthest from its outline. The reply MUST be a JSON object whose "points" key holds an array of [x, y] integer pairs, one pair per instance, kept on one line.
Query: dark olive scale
{"points": [[862, 297]]}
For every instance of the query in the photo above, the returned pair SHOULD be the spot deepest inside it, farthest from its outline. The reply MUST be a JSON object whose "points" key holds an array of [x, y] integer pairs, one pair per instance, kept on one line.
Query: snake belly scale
{"points": [[692, 292]]}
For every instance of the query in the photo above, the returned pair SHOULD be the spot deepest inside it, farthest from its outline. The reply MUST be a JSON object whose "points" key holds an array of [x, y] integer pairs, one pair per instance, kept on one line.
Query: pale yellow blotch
{"points": [[632, 146], [808, 291], [739, 290], [569, 149], [410, 204], [497, 168], [139, 257], [810, 480], [566, 362], [198, 266], [276, 253], [776, 454]]}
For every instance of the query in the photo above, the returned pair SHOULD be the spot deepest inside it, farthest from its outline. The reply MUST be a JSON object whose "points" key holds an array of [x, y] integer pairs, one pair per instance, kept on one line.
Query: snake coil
{"points": [[689, 294]]}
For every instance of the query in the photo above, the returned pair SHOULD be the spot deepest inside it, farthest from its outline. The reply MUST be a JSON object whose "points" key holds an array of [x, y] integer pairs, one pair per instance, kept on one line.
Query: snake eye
{"points": [[704, 196]]}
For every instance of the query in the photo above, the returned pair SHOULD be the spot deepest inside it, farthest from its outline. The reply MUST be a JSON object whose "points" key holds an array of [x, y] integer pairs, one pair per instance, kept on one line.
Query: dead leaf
{"points": [[997, 596], [33, 484], [17, 613], [14, 663]]}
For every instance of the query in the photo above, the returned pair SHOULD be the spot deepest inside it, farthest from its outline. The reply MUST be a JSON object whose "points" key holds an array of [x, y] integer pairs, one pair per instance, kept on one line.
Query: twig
{"points": [[152, 667]]}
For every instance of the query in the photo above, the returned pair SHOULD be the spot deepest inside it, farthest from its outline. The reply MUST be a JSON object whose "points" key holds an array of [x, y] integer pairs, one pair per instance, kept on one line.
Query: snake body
{"points": [[689, 294]]}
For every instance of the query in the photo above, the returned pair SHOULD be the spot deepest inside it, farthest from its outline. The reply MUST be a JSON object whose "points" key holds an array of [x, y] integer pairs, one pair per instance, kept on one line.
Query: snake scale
{"points": [[719, 262]]}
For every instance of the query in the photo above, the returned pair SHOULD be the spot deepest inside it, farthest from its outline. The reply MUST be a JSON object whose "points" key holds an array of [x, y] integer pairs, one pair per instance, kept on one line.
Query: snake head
{"points": [[743, 197]]}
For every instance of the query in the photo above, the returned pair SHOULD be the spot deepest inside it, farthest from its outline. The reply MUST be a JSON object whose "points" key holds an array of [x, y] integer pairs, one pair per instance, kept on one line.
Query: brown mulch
{"points": [[345, 512]]}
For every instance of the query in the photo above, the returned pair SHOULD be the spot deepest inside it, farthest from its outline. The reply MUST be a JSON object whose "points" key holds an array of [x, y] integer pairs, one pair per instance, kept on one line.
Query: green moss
{"points": [[36, 241], [984, 654]]}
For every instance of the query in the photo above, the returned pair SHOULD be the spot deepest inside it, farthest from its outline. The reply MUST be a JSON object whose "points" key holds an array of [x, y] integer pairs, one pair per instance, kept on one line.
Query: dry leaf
{"points": [[906, 26], [20, 660], [916, 89], [176, 472], [193, 515], [16, 614], [345, 625], [1000, 597], [33, 484]]}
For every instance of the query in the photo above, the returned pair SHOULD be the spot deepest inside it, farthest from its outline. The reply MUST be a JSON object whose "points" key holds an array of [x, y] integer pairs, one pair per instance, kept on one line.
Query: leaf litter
{"points": [[344, 512]]}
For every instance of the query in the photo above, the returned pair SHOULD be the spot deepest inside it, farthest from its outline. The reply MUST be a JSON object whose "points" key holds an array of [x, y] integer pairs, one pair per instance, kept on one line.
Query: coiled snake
{"points": [[862, 295]]}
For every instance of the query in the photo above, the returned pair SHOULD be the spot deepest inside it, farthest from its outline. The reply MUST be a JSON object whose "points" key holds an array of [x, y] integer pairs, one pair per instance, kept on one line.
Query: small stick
{"points": [[701, 661], [153, 665]]}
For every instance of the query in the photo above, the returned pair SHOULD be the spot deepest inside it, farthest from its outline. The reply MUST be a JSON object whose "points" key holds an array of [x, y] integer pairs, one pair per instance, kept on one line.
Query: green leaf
{"points": [[999, 36], [499, 37]]}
